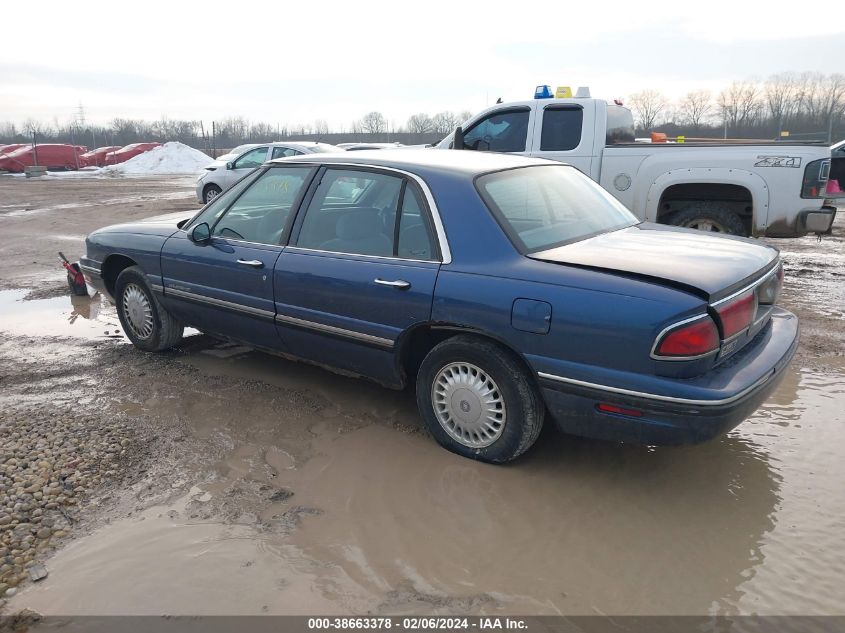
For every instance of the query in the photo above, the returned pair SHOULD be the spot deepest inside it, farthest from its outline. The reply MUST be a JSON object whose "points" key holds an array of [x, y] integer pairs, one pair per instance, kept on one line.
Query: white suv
{"points": [[221, 175]]}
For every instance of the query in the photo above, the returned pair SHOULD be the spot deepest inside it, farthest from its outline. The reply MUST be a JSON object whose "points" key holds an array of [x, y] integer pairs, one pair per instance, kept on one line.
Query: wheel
{"points": [[145, 321], [210, 193], [477, 400], [709, 216]]}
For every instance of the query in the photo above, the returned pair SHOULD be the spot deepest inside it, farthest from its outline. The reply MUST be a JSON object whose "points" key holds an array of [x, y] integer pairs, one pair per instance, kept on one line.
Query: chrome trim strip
{"points": [[654, 396], [750, 286], [445, 251], [157, 288], [220, 303], [668, 329], [330, 329], [296, 249], [90, 269]]}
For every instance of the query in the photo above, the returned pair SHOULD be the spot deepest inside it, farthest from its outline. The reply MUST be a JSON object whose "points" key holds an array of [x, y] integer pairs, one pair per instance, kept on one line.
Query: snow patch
{"points": [[170, 158]]}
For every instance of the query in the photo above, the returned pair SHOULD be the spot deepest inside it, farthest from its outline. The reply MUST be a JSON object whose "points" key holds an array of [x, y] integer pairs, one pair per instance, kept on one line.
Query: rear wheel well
{"points": [[417, 343], [735, 198], [111, 269]]}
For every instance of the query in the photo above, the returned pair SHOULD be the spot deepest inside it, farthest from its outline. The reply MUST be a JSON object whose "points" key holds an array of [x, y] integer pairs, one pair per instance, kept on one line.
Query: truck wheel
{"points": [[478, 401], [145, 321], [709, 216]]}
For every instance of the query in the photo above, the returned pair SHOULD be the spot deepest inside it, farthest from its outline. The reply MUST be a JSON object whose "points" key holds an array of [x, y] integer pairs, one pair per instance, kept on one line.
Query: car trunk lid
{"points": [[710, 265]]}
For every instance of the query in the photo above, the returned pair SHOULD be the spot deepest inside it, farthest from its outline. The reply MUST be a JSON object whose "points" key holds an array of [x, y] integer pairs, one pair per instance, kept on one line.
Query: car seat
{"points": [[360, 232]]}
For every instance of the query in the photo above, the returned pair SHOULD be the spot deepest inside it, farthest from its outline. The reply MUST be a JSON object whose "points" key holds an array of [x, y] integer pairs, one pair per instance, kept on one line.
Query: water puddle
{"points": [[329, 499], [81, 317]]}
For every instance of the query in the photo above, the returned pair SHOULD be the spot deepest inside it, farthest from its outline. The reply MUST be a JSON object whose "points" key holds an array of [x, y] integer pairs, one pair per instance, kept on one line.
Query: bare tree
{"points": [[261, 132], [741, 105], [833, 92], [781, 95], [321, 127], [695, 107], [648, 105], [420, 123], [444, 122], [374, 123]]}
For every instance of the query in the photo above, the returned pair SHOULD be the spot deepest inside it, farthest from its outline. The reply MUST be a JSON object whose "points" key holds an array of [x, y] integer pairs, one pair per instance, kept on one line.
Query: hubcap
{"points": [[705, 224], [468, 405], [211, 194], [138, 311]]}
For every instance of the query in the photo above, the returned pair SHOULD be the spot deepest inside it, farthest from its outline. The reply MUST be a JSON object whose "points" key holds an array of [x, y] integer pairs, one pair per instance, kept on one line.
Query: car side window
{"points": [[414, 235], [500, 131], [352, 212], [561, 128], [218, 206], [284, 152], [260, 213], [252, 159]]}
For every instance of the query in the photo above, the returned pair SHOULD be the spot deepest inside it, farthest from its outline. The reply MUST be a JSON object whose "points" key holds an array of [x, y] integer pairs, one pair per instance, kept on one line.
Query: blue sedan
{"points": [[507, 290]]}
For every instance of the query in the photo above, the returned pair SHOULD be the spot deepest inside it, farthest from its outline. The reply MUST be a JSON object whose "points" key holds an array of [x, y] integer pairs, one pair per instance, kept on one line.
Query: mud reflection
{"points": [[67, 315]]}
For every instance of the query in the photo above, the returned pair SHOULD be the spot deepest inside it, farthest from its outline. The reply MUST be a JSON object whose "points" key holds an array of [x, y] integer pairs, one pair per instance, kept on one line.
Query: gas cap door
{"points": [[530, 315]]}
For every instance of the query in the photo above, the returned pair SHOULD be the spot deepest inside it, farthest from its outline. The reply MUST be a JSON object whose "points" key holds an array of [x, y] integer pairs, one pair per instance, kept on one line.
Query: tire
{"points": [[709, 216], [516, 402], [145, 321], [210, 193]]}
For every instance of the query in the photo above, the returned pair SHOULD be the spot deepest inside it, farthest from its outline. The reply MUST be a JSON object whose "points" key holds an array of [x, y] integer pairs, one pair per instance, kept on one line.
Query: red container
{"points": [[127, 152], [51, 156], [97, 157]]}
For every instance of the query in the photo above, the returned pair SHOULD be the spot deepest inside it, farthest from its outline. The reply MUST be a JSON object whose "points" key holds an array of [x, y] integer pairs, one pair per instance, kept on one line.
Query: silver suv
{"points": [[220, 175]]}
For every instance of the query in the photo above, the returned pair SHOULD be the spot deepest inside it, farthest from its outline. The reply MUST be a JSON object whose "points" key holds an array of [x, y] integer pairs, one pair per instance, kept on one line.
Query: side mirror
{"points": [[230, 165], [458, 143], [200, 234]]}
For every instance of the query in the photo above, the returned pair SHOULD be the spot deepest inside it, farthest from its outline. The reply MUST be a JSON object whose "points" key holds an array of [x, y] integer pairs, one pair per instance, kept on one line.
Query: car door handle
{"points": [[255, 263], [401, 284]]}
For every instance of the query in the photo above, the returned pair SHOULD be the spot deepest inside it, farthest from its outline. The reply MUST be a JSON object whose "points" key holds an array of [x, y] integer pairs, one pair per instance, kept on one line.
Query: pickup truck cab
{"points": [[771, 189]]}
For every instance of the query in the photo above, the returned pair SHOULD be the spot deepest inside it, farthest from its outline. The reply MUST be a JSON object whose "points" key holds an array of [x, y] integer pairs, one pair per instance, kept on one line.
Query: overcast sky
{"points": [[290, 62]]}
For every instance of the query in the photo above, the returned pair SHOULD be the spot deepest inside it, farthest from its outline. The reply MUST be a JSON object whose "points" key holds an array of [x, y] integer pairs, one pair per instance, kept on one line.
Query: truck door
{"points": [[564, 132]]}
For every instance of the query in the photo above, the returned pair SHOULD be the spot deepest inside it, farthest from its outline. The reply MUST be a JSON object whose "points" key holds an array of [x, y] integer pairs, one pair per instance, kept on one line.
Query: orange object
{"points": [[658, 137]]}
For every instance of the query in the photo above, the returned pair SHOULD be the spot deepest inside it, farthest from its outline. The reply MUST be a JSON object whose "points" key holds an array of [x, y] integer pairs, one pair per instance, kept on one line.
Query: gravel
{"points": [[51, 459]]}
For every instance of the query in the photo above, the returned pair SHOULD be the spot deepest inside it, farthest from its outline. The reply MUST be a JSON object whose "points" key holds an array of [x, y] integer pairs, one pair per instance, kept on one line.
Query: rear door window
{"points": [[352, 212], [561, 128], [284, 152]]}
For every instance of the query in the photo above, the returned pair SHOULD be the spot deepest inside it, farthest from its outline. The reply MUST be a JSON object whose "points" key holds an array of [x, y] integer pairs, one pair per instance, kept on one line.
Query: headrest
{"points": [[354, 225]]}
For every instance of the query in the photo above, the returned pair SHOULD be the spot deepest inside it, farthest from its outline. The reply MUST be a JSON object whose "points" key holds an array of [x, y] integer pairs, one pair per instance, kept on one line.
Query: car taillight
{"points": [[769, 291], [693, 339], [737, 314], [816, 174]]}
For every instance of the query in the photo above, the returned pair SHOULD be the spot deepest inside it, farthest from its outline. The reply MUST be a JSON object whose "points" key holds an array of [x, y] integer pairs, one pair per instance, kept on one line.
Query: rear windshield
{"points": [[620, 125], [541, 207]]}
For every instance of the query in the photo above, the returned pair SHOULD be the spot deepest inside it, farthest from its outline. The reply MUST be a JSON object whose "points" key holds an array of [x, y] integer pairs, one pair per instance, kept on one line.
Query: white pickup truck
{"points": [[774, 189]]}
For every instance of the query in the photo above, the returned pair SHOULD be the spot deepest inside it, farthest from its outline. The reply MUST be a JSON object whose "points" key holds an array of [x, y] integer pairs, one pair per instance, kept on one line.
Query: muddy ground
{"points": [[214, 479]]}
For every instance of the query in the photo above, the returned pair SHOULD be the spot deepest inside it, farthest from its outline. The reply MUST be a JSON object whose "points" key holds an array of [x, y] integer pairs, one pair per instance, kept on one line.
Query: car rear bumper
{"points": [[810, 220], [744, 382]]}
